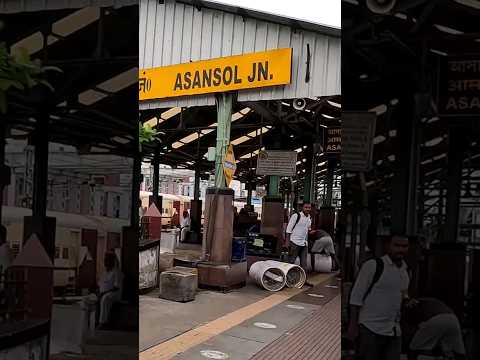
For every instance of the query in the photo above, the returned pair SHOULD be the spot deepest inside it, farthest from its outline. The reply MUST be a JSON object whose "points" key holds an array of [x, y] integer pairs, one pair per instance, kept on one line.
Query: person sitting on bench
{"points": [[184, 225], [110, 288]]}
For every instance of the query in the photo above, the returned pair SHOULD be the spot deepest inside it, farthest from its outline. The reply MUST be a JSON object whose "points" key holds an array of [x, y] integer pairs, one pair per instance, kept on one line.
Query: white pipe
{"points": [[269, 277], [323, 263], [295, 275]]}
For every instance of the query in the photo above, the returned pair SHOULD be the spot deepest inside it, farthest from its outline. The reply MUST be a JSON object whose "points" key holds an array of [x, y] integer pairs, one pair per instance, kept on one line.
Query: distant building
{"points": [[75, 182], [172, 181]]}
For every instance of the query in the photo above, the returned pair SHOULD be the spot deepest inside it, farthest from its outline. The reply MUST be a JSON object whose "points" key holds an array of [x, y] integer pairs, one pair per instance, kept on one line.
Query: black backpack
{"points": [[376, 276], [378, 273], [296, 221]]}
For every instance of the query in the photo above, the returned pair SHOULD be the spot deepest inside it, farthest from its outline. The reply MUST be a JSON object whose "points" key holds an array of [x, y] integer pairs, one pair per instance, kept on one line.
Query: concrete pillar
{"points": [[135, 189], [218, 222], [249, 192], [196, 206], [218, 226], [130, 234], [353, 244], [307, 185], [273, 186], [39, 223], [456, 152], [196, 186], [405, 180], [39, 201], [329, 182], [272, 218], [4, 169], [156, 179], [295, 197]]}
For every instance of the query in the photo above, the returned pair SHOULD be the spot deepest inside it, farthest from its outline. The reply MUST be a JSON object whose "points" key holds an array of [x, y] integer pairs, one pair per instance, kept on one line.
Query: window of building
{"points": [[57, 252], [65, 253]]}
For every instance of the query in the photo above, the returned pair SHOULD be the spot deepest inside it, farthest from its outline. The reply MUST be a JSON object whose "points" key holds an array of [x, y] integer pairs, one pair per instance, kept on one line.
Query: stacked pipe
{"points": [[322, 263], [275, 275], [271, 278], [294, 274]]}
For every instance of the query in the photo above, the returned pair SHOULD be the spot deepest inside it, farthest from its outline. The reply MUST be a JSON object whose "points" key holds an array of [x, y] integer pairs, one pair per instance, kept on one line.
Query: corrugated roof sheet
{"points": [[270, 17], [174, 33], [16, 6]]}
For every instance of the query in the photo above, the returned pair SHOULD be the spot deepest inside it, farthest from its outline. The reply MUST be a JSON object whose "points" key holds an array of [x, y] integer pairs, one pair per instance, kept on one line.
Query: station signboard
{"points": [[358, 132], [277, 162], [332, 142], [254, 70], [459, 86]]}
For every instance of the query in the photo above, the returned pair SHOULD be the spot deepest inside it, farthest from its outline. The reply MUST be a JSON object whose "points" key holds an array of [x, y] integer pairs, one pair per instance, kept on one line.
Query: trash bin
{"points": [[239, 249]]}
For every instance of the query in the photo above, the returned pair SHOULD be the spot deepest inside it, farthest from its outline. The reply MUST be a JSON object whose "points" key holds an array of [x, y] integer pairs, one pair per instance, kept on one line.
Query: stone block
{"points": [[180, 286], [187, 270], [166, 261]]}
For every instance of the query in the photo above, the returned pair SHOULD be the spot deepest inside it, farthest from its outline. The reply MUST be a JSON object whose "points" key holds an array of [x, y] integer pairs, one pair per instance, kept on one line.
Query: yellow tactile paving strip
{"points": [[169, 349]]}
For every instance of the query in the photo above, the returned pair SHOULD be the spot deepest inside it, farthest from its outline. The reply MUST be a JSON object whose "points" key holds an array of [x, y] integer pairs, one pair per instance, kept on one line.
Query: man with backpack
{"points": [[376, 301], [297, 231]]}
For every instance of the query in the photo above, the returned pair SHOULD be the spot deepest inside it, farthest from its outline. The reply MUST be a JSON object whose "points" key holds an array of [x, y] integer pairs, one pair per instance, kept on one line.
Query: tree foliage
{"points": [[147, 135], [20, 72]]}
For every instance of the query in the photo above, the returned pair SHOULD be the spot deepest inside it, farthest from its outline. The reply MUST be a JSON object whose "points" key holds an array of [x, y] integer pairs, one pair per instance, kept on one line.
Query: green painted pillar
{"points": [[224, 120], [273, 186]]}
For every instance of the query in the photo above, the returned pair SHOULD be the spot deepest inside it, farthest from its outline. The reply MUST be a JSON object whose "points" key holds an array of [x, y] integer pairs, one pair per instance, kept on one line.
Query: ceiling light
{"points": [[434, 142], [472, 3], [379, 110], [337, 105], [448, 30], [438, 52]]}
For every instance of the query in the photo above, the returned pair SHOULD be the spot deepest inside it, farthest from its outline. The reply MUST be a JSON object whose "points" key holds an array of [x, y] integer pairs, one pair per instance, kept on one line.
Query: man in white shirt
{"points": [[297, 235], [185, 224], [376, 300], [110, 287]]}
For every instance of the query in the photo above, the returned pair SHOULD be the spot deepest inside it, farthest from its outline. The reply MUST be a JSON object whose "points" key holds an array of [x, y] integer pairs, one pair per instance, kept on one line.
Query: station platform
{"points": [[105, 345], [248, 323]]}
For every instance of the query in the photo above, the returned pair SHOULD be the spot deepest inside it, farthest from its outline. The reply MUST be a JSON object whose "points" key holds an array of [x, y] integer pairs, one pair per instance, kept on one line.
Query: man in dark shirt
{"points": [[437, 329]]}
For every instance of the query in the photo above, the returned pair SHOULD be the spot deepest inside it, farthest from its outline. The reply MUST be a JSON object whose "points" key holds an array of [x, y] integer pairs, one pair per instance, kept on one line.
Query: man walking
{"points": [[376, 301], [297, 235]]}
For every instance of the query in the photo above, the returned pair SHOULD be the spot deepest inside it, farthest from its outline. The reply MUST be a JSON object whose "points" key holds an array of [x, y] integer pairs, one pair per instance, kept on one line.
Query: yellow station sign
{"points": [[246, 71], [229, 165]]}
